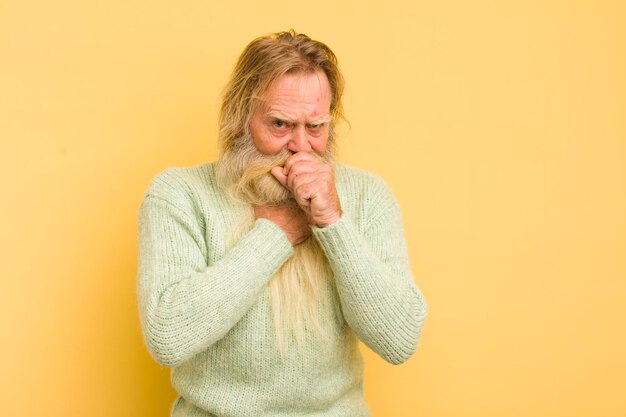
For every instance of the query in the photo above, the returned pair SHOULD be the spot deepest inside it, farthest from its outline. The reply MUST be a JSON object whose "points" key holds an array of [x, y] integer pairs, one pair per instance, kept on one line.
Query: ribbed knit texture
{"points": [[205, 308]]}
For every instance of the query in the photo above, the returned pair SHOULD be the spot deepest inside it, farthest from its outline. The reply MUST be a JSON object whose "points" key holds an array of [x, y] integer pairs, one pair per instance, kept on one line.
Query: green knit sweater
{"points": [[205, 310]]}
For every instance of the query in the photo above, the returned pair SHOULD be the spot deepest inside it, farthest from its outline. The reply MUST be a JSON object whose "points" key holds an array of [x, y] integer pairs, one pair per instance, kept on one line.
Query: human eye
{"points": [[315, 126], [279, 124]]}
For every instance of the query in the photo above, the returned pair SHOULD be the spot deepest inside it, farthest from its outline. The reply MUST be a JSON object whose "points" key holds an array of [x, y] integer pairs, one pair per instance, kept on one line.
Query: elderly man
{"points": [[259, 273]]}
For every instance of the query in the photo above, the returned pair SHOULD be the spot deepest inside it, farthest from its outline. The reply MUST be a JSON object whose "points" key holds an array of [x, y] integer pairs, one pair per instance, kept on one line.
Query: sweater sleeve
{"points": [[186, 305], [379, 298]]}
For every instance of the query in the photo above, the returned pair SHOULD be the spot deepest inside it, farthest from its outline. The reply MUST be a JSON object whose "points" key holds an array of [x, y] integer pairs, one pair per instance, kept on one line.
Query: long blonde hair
{"points": [[303, 288]]}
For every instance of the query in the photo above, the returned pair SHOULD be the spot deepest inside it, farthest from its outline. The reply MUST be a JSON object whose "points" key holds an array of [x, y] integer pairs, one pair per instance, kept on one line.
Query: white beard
{"points": [[303, 290]]}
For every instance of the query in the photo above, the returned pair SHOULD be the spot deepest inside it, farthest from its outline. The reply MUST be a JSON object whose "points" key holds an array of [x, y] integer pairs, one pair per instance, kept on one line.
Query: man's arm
{"points": [[186, 305], [379, 298]]}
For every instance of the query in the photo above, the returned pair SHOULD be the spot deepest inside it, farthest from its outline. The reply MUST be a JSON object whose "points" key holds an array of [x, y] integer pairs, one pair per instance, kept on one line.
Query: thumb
{"points": [[277, 172]]}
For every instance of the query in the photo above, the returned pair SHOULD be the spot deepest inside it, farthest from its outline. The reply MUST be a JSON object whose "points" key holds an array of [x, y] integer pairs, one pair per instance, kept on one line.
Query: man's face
{"points": [[294, 115]]}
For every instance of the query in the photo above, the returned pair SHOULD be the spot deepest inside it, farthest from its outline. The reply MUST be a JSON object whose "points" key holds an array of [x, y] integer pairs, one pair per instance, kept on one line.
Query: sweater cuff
{"points": [[273, 244], [338, 238], [268, 245]]}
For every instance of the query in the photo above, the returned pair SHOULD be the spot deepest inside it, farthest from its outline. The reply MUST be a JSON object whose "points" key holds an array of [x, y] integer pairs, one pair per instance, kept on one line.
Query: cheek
{"points": [[319, 146], [319, 143], [263, 140], [267, 144]]}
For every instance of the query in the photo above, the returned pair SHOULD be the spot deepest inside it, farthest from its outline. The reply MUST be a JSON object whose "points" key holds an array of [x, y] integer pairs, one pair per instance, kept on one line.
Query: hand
{"points": [[312, 183], [290, 218]]}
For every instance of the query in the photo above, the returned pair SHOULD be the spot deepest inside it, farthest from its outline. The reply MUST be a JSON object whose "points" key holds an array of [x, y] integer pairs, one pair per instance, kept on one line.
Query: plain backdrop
{"points": [[499, 126]]}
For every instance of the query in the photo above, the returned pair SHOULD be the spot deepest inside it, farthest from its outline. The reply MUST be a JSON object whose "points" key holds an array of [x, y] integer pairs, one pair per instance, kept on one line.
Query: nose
{"points": [[299, 140]]}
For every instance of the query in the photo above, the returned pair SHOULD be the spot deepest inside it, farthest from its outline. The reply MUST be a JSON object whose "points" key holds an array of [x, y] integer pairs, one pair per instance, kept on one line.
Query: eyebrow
{"points": [[278, 115]]}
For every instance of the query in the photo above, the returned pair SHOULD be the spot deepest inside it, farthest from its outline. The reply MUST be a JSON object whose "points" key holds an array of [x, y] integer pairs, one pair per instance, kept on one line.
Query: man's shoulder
{"points": [[363, 194], [358, 180], [176, 183]]}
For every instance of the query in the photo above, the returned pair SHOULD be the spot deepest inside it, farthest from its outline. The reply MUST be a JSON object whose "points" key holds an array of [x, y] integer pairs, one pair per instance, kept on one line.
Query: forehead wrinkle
{"points": [[289, 99], [278, 115], [281, 116]]}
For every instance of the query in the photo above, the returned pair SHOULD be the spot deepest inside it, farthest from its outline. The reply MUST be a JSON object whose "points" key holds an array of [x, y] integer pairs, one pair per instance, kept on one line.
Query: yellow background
{"points": [[499, 125]]}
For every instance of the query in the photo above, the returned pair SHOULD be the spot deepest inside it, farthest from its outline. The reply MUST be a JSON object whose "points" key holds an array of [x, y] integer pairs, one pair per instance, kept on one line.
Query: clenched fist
{"points": [[312, 183]]}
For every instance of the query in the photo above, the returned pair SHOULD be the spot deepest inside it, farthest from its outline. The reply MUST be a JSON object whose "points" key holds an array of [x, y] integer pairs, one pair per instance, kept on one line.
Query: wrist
{"points": [[327, 221]]}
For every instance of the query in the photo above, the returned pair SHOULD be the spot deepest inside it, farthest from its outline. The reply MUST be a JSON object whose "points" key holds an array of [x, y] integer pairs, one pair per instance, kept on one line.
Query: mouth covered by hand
{"points": [[260, 186], [312, 184]]}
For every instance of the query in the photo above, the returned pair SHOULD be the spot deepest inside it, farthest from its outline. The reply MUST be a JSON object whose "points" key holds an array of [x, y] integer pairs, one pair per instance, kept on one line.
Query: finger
{"points": [[294, 180], [297, 157], [314, 169], [323, 175], [307, 167], [306, 190], [318, 196], [304, 172], [277, 172]]}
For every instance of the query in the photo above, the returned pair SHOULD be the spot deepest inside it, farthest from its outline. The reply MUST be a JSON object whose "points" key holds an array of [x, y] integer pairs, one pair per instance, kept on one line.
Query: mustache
{"points": [[262, 164], [259, 185], [244, 172]]}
